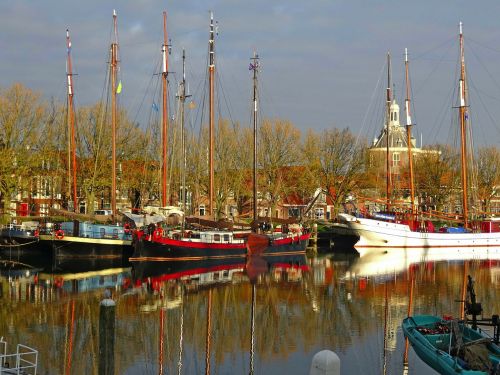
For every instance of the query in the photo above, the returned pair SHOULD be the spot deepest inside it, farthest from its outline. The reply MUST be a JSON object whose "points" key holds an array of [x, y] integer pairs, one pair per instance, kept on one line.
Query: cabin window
{"points": [[202, 209], [319, 213], [115, 233], [226, 237], [217, 237], [102, 231]]}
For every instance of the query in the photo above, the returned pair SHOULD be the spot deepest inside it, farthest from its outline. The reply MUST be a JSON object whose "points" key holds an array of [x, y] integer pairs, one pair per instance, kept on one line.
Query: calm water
{"points": [[271, 315]]}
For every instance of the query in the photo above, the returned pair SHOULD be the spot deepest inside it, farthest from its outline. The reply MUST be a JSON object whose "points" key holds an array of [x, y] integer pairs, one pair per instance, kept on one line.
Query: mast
{"points": [[71, 122], [114, 70], [211, 71], [164, 133], [182, 97], [408, 133], [388, 102], [463, 124], [254, 65]]}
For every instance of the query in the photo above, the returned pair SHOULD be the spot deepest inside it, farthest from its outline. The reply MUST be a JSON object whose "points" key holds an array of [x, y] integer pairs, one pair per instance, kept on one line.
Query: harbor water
{"points": [[259, 316]]}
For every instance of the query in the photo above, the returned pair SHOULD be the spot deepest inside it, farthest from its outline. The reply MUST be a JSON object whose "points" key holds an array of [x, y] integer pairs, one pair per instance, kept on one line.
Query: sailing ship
{"points": [[90, 239], [162, 244], [387, 230]]}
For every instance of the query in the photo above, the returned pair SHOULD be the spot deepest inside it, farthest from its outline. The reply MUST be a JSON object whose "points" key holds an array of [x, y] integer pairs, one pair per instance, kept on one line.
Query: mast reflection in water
{"points": [[258, 316]]}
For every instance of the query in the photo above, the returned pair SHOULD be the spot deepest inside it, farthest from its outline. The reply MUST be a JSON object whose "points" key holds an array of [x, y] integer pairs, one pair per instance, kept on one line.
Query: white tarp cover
{"points": [[153, 215]]}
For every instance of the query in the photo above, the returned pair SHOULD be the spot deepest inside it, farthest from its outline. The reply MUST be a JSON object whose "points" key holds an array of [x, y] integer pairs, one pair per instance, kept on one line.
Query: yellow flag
{"points": [[192, 105], [119, 88]]}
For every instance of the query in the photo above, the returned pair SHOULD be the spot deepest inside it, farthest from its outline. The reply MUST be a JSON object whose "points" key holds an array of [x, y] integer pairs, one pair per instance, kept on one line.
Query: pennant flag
{"points": [[155, 107], [119, 88]]}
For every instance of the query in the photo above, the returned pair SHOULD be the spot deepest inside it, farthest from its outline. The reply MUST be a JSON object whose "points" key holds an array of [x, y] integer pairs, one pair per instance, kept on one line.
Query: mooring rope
{"points": [[18, 244]]}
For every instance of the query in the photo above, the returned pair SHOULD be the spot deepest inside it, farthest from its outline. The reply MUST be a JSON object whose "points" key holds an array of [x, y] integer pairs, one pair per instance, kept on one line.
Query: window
{"points": [[226, 237], [319, 213], [396, 159], [202, 210], [216, 237]]}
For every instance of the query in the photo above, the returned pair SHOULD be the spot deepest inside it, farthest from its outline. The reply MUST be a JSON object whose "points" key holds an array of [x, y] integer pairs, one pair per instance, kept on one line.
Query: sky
{"points": [[322, 61]]}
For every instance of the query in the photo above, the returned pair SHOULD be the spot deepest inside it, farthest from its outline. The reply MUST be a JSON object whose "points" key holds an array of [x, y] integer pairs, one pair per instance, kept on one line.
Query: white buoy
{"points": [[325, 362]]}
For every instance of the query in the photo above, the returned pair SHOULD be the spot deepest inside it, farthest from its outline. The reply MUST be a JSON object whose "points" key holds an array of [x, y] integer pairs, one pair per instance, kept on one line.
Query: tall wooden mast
{"points": [[114, 70], [211, 71], [463, 129], [387, 161], [164, 52], [408, 133], [71, 122], [182, 96], [254, 65]]}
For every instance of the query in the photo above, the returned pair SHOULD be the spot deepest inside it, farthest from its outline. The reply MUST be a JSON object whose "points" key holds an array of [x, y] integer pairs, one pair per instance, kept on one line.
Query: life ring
{"points": [[59, 234], [158, 233], [58, 282], [126, 228]]}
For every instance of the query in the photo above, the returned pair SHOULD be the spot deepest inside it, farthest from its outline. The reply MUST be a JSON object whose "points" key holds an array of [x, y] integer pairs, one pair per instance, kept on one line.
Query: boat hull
{"points": [[381, 235], [82, 247], [338, 236], [185, 249], [19, 241]]}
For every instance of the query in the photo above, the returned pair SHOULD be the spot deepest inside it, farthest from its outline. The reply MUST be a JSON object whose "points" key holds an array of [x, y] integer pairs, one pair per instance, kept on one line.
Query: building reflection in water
{"points": [[271, 315]]}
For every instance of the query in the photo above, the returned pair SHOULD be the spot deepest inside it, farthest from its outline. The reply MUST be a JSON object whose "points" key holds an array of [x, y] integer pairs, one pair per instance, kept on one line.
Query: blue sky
{"points": [[321, 60]]}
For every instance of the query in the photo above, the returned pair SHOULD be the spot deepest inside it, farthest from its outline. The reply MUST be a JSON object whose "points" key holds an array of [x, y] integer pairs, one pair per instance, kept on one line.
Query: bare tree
{"points": [[279, 145], [437, 176], [338, 160], [22, 114], [488, 175]]}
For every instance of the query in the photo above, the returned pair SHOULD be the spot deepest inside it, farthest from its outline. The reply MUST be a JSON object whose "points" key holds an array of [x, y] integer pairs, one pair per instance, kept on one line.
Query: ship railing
{"points": [[23, 361]]}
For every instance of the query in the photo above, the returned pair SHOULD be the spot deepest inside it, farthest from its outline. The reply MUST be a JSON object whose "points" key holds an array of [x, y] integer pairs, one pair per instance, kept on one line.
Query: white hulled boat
{"points": [[382, 232]]}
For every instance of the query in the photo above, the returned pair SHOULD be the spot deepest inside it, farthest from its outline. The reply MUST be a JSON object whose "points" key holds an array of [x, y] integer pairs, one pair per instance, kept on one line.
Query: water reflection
{"points": [[256, 316]]}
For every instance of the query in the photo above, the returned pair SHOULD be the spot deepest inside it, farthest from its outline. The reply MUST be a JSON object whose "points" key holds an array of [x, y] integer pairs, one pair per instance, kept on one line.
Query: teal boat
{"points": [[451, 346]]}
